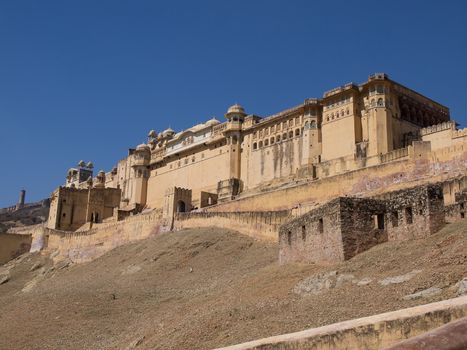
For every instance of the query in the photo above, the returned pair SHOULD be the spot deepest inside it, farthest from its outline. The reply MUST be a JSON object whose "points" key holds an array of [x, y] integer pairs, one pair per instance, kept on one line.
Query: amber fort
{"points": [[327, 179], [323, 182]]}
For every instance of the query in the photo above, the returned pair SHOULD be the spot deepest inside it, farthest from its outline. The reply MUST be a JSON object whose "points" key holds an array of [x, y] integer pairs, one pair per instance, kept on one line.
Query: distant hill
{"points": [[31, 214]]}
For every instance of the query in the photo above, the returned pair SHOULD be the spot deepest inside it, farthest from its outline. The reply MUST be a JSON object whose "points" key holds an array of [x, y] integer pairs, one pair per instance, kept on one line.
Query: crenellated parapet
{"points": [[449, 125]]}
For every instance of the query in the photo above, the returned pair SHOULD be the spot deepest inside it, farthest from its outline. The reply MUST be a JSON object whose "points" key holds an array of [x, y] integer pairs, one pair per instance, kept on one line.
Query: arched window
{"points": [[266, 142], [342, 113], [313, 124], [348, 111], [297, 132], [255, 145], [284, 136], [380, 102], [260, 144], [272, 140], [290, 134], [278, 138]]}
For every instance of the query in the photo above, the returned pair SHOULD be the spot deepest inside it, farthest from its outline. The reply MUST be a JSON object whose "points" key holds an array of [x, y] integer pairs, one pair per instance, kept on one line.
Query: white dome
{"points": [[236, 108], [212, 122], [142, 147], [168, 131]]}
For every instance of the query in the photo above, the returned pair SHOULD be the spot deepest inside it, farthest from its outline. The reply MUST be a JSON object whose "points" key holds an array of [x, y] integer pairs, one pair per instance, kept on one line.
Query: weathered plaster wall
{"points": [[370, 333], [408, 172], [13, 245]]}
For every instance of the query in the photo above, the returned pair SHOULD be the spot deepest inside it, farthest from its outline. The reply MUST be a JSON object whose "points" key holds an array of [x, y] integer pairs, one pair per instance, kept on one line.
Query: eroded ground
{"points": [[205, 288]]}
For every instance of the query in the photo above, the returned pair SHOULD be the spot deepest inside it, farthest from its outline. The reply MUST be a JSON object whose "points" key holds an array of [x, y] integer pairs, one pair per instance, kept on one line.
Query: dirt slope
{"points": [[200, 289]]}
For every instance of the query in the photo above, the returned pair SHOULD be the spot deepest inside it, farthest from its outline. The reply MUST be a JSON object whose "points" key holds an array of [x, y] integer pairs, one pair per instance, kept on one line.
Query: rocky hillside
{"points": [[201, 289], [32, 214]]}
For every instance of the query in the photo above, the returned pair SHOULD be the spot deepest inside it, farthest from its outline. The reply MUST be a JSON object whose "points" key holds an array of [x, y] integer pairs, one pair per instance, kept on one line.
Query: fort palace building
{"points": [[351, 127]]}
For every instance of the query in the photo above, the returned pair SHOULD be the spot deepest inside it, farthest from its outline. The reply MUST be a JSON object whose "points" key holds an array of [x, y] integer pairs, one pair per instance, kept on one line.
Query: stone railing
{"points": [[393, 155], [438, 127], [218, 129]]}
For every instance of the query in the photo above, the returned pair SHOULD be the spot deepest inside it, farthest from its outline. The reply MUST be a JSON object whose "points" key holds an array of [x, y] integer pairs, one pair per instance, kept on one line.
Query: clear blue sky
{"points": [[89, 79]]}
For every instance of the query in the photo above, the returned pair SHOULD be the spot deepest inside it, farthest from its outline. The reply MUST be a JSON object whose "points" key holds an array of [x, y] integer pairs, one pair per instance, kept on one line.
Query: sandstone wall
{"points": [[13, 245], [260, 225], [420, 168], [370, 333], [88, 245]]}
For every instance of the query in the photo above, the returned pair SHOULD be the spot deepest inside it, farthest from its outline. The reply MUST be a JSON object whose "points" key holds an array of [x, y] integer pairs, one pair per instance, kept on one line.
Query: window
{"points": [[289, 238], [255, 145], [297, 132], [313, 124], [266, 142], [320, 225], [260, 144], [342, 113], [380, 102], [395, 219], [379, 221], [272, 140], [284, 136], [303, 233], [278, 138], [290, 134], [408, 215]]}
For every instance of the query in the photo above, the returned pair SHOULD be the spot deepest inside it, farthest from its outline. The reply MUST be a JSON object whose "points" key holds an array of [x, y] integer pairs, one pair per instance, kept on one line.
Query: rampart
{"points": [[370, 333], [88, 245], [257, 224], [419, 168]]}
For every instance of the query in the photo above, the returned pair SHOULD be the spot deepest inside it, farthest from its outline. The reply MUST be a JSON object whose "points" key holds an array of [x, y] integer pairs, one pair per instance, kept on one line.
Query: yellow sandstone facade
{"points": [[350, 127]]}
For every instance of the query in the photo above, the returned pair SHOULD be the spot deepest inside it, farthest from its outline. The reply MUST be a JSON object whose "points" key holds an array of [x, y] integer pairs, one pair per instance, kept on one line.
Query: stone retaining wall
{"points": [[261, 225], [370, 333]]}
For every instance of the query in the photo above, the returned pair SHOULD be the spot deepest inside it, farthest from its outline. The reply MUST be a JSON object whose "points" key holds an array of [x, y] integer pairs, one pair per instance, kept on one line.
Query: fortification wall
{"points": [[88, 245], [260, 225], [371, 333], [418, 169], [12, 245]]}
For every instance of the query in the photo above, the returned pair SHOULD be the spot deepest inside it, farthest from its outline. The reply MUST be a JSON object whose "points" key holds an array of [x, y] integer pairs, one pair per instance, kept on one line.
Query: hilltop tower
{"points": [[22, 197]]}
